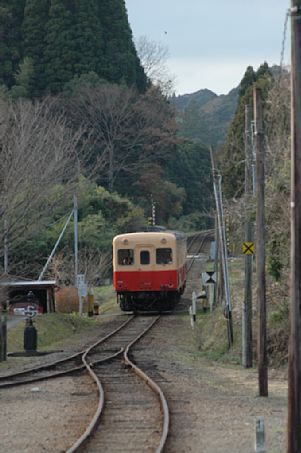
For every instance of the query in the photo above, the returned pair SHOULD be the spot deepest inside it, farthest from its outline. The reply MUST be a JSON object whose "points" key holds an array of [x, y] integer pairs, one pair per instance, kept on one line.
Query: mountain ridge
{"points": [[205, 116]]}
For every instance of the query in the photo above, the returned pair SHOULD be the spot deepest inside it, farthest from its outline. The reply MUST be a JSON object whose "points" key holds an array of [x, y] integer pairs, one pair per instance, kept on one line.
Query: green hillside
{"points": [[205, 116]]}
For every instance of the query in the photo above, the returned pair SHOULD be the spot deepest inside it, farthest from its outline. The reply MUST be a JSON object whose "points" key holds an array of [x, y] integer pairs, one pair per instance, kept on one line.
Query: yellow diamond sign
{"points": [[248, 248]]}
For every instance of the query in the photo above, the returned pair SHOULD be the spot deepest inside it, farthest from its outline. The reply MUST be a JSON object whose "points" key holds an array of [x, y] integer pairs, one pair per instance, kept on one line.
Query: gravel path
{"points": [[44, 417], [213, 407]]}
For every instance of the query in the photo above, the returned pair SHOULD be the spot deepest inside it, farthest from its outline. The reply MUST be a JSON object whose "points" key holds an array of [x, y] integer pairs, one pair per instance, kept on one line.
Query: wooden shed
{"points": [[42, 292]]}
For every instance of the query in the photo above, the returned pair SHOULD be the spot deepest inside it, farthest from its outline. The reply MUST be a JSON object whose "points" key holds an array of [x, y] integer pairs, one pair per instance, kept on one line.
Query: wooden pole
{"points": [[294, 361], [247, 359], [216, 264], [75, 216], [260, 246], [5, 247]]}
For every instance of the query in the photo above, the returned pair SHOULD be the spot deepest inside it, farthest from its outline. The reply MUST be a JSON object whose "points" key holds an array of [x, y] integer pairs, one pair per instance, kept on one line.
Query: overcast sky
{"points": [[211, 43]]}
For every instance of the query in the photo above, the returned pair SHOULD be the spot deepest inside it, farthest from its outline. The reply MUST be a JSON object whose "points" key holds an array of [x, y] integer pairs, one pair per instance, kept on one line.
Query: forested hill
{"points": [[205, 116], [46, 43]]}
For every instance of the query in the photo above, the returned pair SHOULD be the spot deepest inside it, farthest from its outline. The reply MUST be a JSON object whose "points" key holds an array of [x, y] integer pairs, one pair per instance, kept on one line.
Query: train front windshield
{"points": [[164, 256]]}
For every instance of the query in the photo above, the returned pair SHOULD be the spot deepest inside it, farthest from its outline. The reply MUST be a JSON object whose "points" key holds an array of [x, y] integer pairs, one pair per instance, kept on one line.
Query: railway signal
{"points": [[248, 248], [209, 277]]}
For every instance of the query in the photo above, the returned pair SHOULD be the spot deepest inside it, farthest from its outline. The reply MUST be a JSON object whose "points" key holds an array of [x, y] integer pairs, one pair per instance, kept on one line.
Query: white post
{"points": [[194, 306], [260, 436], [192, 310]]}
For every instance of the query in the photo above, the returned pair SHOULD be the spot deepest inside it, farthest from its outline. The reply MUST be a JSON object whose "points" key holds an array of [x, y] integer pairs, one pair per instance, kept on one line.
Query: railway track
{"points": [[195, 247], [57, 368], [132, 411], [132, 418]]}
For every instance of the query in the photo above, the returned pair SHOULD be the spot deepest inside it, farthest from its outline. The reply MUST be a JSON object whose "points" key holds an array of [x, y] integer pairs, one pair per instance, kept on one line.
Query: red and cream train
{"points": [[149, 268]]}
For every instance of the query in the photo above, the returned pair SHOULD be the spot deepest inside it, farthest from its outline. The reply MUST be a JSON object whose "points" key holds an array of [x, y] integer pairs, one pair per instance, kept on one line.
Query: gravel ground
{"points": [[45, 417], [213, 407]]}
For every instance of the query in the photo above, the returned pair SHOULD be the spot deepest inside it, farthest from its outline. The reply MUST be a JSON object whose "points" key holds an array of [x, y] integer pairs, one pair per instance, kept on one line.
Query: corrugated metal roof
{"points": [[29, 283]]}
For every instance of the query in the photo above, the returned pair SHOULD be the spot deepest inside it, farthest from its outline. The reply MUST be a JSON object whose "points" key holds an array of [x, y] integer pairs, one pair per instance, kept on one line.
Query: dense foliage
{"points": [[79, 117], [62, 39], [205, 116], [232, 157]]}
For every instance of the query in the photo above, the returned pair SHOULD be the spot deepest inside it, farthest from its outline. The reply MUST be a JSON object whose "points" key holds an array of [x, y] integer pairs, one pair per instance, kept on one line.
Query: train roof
{"points": [[179, 236]]}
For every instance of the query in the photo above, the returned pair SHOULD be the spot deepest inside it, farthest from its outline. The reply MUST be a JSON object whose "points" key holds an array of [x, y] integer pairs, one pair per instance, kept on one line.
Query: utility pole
{"points": [[260, 246], [223, 247], [294, 360], [75, 213], [216, 264], [153, 212], [247, 359], [5, 247]]}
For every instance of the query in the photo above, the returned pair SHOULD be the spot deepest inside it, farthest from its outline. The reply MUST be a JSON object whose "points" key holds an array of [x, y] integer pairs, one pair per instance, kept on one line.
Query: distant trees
{"points": [[121, 62], [65, 39], [190, 168], [126, 131], [153, 56], [101, 215], [78, 114], [11, 17], [277, 129], [38, 151], [232, 156]]}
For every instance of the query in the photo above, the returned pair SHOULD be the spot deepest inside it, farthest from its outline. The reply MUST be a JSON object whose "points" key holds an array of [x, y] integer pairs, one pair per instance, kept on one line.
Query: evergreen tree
{"points": [[34, 24], [24, 78], [60, 52], [11, 17], [66, 39], [190, 168], [248, 79], [233, 156], [121, 63], [89, 39], [190, 126]]}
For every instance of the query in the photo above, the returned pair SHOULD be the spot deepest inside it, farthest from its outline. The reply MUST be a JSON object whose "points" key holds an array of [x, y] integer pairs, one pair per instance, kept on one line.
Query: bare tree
{"points": [[94, 264], [153, 57], [277, 123], [126, 129], [37, 151]]}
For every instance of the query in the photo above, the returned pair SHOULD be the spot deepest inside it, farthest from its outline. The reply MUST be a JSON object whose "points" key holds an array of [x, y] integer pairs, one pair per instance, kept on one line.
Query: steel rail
{"points": [[153, 386], [92, 425], [199, 249], [56, 362], [61, 373]]}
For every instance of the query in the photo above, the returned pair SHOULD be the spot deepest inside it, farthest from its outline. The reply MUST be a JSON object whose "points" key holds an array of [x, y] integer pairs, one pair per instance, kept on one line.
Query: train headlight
{"points": [[163, 241]]}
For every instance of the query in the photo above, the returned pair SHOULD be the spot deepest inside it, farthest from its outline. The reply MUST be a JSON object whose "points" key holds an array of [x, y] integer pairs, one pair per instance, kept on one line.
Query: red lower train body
{"points": [[149, 269]]}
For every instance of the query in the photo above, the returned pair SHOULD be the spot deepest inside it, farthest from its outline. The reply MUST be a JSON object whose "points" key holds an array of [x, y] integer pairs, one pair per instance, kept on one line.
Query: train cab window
{"points": [[144, 257], [125, 257], [164, 256]]}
